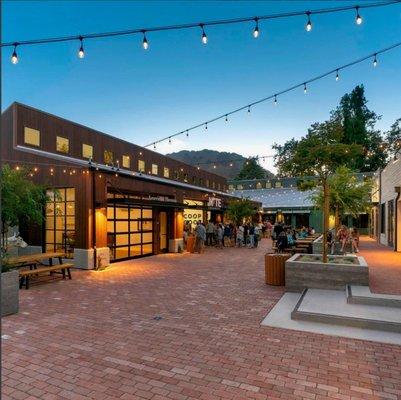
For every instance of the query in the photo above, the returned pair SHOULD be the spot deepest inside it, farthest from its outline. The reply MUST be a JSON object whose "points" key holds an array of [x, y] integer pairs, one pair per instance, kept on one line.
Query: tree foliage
{"points": [[251, 170], [393, 138], [238, 210]]}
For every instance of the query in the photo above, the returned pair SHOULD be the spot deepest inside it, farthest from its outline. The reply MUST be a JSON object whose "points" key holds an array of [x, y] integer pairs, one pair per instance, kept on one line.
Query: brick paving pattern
{"points": [[180, 327]]}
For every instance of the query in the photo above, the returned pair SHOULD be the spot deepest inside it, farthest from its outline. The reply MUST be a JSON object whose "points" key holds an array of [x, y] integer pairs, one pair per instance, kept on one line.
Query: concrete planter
{"points": [[317, 275], [9, 292], [317, 247]]}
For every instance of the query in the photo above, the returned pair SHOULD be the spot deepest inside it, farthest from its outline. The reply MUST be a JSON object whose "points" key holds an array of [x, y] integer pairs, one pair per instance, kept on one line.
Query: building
{"points": [[108, 199], [386, 212], [283, 202]]}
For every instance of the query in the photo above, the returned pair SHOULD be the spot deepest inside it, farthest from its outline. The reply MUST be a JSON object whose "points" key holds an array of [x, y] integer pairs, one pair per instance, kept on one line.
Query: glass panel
{"points": [[60, 222], [70, 194], [155, 169], [126, 162], [135, 213], [108, 157], [87, 151], [135, 238], [110, 212], [70, 223], [122, 226], [49, 222], [147, 248], [59, 236], [141, 166], [135, 226], [49, 236], [50, 247], [62, 144], [31, 136], [147, 237], [70, 208], [135, 251], [147, 225], [110, 226], [121, 240], [166, 172], [147, 213], [122, 213], [50, 195], [49, 208], [121, 252], [59, 195]]}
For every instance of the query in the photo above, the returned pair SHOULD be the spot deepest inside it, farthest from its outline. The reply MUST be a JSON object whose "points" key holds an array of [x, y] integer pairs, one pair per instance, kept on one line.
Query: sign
{"points": [[192, 216], [214, 202]]}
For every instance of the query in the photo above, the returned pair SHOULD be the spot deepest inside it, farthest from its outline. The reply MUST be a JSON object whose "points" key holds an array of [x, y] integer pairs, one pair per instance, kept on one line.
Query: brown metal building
{"points": [[140, 198]]}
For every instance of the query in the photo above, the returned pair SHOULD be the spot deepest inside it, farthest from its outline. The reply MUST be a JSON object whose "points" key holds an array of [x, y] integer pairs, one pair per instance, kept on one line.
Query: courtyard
{"points": [[186, 326]]}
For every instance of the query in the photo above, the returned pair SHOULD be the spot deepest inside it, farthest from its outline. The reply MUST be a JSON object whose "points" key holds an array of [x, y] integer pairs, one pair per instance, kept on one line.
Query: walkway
{"points": [[384, 266], [180, 327]]}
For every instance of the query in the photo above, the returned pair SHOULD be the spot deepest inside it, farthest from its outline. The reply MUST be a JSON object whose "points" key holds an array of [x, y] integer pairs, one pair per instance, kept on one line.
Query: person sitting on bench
{"points": [[282, 242]]}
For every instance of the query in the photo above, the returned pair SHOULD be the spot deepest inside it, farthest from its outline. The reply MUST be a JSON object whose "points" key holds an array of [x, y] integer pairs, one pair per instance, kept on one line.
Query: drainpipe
{"points": [[94, 218], [398, 191], [379, 214]]}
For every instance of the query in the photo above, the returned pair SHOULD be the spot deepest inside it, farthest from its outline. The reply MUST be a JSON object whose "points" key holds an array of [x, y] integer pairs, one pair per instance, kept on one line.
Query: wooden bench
{"points": [[27, 273]]}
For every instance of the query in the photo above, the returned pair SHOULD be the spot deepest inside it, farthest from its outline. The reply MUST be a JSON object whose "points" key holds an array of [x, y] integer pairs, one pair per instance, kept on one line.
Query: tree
{"points": [[238, 210], [319, 154], [348, 195], [22, 201], [393, 138], [359, 122], [251, 170], [284, 153]]}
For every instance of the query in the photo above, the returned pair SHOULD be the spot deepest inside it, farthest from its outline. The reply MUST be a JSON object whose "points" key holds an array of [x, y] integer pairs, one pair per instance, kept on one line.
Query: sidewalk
{"points": [[384, 266]]}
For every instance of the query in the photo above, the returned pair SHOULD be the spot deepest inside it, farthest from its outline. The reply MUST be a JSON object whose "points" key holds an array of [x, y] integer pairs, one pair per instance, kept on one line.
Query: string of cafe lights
{"points": [[231, 162], [303, 85], [256, 20]]}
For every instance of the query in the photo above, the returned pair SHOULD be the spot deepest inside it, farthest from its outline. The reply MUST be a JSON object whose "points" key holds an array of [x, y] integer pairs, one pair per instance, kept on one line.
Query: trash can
{"points": [[275, 268], [191, 244]]}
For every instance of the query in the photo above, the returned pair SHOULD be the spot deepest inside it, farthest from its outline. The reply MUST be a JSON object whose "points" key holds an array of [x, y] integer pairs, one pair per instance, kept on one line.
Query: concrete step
{"points": [[363, 295], [331, 307]]}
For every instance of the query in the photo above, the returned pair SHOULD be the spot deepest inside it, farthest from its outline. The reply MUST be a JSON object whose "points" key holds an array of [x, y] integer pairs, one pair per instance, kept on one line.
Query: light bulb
{"points": [[169, 140], [358, 18], [305, 89], [205, 125], [154, 146], [275, 99], [14, 57], [81, 52], [145, 43], [256, 30], [204, 37], [375, 61], [337, 76], [308, 25], [226, 118], [249, 109]]}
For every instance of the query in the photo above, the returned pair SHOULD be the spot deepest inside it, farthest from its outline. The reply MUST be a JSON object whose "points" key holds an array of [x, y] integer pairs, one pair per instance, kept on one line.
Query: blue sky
{"points": [[142, 95]]}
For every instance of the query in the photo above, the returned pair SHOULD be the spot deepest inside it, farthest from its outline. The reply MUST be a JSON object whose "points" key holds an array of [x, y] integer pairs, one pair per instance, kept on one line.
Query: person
{"points": [[251, 236], [209, 233], [258, 231], [240, 236], [246, 234], [354, 237], [269, 228], [330, 241], [282, 242], [290, 238], [200, 237], [312, 230], [219, 236], [343, 236], [277, 229], [303, 233], [227, 234]]}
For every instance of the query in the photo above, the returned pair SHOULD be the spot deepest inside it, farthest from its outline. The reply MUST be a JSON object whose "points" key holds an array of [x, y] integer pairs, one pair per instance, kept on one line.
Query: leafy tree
{"points": [[238, 210], [284, 153], [251, 170], [22, 201], [347, 194], [319, 154], [393, 138], [359, 122]]}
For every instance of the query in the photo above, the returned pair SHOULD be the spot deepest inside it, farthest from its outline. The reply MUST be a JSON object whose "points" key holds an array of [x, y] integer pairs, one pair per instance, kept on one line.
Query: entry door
{"points": [[163, 231]]}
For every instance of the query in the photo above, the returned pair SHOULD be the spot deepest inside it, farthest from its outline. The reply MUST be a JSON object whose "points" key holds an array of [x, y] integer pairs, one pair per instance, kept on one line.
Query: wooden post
{"points": [[326, 212]]}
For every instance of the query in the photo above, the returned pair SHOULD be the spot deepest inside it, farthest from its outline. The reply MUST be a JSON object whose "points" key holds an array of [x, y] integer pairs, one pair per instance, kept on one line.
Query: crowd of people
{"points": [[345, 236]]}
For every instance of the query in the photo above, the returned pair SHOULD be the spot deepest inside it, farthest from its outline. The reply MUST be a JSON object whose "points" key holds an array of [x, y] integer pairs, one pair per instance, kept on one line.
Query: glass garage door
{"points": [[129, 231]]}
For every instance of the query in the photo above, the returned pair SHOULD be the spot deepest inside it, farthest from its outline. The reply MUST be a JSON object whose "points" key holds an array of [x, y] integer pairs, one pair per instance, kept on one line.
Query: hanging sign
{"points": [[214, 202]]}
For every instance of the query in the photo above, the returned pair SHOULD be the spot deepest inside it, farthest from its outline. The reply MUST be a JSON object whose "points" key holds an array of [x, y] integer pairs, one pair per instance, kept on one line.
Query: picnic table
{"points": [[36, 266]]}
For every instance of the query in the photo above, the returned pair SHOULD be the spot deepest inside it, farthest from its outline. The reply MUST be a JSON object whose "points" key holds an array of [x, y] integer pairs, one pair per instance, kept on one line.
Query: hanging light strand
{"points": [[287, 90]]}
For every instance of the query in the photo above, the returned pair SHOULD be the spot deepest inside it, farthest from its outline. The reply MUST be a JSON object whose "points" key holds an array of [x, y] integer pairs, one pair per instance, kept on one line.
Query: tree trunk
{"points": [[337, 218], [326, 213]]}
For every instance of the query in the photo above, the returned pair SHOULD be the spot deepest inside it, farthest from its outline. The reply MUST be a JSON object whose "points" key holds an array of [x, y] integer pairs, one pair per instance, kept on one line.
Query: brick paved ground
{"points": [[96, 337]]}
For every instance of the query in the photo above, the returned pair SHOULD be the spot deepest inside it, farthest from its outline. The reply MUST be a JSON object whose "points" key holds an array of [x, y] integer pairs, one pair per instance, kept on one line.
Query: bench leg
{"points": [[21, 282], [69, 273], [27, 282], [63, 272]]}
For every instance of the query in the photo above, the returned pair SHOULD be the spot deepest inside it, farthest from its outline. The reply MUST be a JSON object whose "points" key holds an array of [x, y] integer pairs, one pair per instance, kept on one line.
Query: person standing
{"points": [[251, 236], [354, 237], [240, 236], [220, 234], [209, 233], [200, 237]]}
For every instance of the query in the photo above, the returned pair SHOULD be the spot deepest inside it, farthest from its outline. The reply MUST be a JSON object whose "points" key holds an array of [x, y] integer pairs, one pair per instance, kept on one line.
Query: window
{"points": [[240, 187], [31, 136], [87, 151], [231, 187], [268, 185], [126, 162], [176, 175], [166, 172], [108, 157], [218, 186], [383, 218], [155, 169], [194, 180], [185, 177], [60, 220], [278, 184], [214, 185], [141, 166], [258, 185], [62, 144]]}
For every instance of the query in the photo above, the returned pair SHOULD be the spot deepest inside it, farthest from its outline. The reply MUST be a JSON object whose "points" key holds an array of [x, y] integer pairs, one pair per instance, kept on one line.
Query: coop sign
{"points": [[214, 202]]}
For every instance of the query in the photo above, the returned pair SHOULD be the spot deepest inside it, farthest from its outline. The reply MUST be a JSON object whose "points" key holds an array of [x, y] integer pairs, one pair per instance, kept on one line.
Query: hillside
{"points": [[205, 159]]}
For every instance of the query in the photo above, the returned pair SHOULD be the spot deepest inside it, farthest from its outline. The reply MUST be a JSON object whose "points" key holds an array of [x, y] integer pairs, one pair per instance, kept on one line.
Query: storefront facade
{"points": [[108, 199]]}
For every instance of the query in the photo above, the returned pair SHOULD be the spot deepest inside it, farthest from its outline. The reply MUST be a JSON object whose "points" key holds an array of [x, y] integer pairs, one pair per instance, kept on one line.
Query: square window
{"points": [[108, 157], [62, 144], [87, 151], [166, 172], [126, 162], [185, 177], [31, 136], [141, 166], [278, 184], [155, 169]]}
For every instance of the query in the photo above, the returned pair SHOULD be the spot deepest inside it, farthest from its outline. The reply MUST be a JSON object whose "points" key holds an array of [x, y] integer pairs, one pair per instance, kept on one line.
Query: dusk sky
{"points": [[140, 96]]}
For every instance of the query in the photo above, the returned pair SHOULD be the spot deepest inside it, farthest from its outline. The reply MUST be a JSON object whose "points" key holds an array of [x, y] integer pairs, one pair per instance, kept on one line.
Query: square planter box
{"points": [[301, 273], [9, 292]]}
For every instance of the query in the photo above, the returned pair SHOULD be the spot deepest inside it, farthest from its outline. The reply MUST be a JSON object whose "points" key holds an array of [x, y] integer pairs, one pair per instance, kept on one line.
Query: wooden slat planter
{"points": [[275, 268]]}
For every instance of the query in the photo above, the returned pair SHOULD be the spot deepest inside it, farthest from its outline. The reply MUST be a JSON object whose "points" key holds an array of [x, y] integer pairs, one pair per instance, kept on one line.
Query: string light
{"points": [[226, 118], [375, 61], [187, 134], [358, 18], [154, 146], [249, 109], [275, 99], [308, 25], [14, 56], [81, 52], [305, 89], [337, 76], [145, 43], [256, 30], [204, 37], [169, 140], [206, 125]]}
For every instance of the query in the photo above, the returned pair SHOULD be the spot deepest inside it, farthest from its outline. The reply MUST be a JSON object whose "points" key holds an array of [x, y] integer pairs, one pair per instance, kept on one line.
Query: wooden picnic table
{"points": [[33, 259]]}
